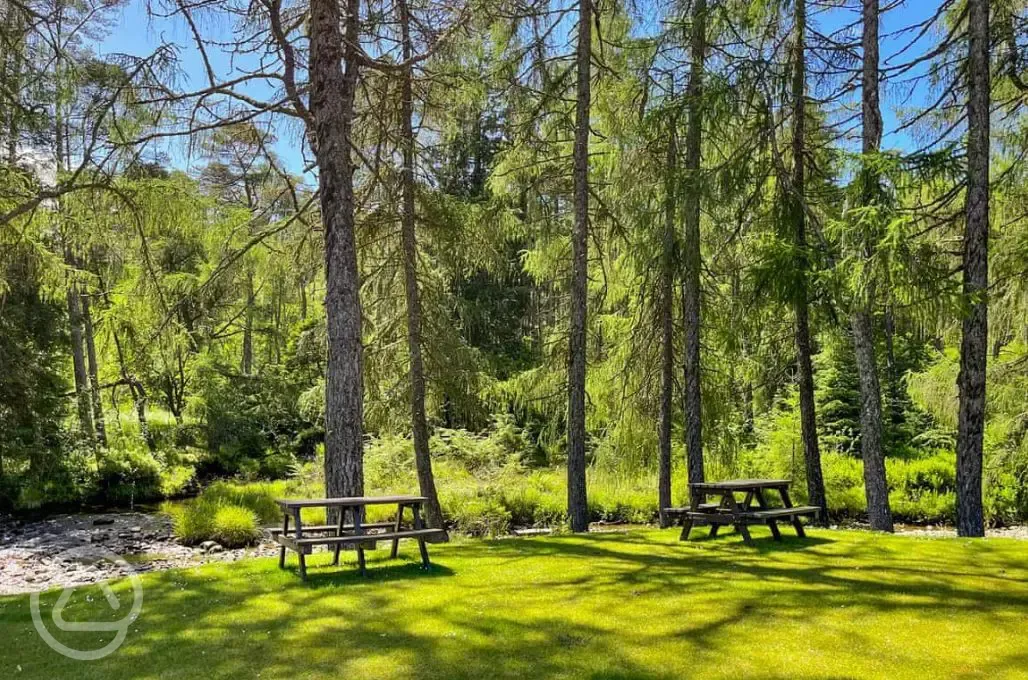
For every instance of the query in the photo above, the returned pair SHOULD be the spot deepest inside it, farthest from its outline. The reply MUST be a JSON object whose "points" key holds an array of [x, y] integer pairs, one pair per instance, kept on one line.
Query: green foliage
{"points": [[235, 526], [213, 518], [208, 296], [128, 476], [33, 350], [483, 514], [258, 498], [193, 523], [251, 423], [838, 396]]}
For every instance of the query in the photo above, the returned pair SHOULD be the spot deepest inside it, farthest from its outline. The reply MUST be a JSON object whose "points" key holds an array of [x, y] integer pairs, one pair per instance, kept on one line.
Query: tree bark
{"points": [[13, 78], [667, 363], [691, 247], [246, 363], [94, 371], [804, 365], [894, 405], [135, 387], [138, 396], [974, 339], [331, 104], [419, 422], [876, 488], [78, 358], [578, 513]]}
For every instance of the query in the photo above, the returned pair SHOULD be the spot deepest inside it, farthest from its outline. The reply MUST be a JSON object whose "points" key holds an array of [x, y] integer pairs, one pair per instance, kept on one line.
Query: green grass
{"points": [[842, 604]]}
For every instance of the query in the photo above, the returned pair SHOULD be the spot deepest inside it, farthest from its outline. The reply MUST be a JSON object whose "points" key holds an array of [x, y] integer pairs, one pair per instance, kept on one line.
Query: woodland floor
{"points": [[635, 605]]}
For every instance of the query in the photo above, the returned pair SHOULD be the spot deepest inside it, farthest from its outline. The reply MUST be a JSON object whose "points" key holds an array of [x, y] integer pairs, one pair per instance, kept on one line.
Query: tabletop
{"points": [[346, 502], [741, 484]]}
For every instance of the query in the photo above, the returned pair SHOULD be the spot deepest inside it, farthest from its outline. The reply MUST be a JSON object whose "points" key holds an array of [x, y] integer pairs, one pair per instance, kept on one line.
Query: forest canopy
{"points": [[472, 247]]}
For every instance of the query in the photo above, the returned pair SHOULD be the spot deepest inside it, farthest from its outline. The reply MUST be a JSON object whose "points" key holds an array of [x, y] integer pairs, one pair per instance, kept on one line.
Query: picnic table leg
{"points": [[282, 548], [300, 548], [418, 524], [748, 501], [357, 531], [797, 525], [740, 523], [339, 532], [771, 523], [396, 527], [728, 502], [686, 528], [695, 499]]}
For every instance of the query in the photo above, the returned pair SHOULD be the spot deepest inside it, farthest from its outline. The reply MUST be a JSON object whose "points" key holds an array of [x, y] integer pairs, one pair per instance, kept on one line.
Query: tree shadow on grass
{"points": [[328, 575], [527, 608]]}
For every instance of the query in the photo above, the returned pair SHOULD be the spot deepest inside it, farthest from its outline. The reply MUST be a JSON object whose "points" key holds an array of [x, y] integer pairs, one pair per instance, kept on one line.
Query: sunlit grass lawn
{"points": [[841, 604]]}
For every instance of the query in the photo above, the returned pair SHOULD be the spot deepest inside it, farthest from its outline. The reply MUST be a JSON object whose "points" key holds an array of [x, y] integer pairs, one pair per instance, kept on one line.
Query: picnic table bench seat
{"points": [[363, 538], [797, 510], [274, 531], [675, 512]]}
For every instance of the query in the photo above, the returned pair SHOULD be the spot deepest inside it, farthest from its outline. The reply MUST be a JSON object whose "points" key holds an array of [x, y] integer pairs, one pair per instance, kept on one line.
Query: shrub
{"points": [[258, 497], [235, 526], [479, 515], [193, 523], [129, 475], [232, 526], [177, 480]]}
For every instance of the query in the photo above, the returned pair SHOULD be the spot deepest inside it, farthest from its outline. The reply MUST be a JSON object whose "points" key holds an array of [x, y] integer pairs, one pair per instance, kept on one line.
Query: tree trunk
{"points": [[331, 104], [94, 371], [876, 488], [78, 357], [578, 513], [747, 408], [691, 246], [894, 404], [974, 340], [667, 364], [246, 364], [135, 387], [13, 77], [419, 423], [804, 366]]}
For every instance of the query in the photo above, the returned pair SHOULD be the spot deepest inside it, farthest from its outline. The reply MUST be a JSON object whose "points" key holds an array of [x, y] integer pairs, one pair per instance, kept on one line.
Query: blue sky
{"points": [[138, 34]]}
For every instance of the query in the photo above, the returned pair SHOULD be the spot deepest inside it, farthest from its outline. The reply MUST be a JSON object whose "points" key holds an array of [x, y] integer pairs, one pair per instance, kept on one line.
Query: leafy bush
{"points": [[203, 519], [129, 475], [249, 422], [258, 498], [479, 515], [193, 523], [235, 526], [177, 480], [844, 485]]}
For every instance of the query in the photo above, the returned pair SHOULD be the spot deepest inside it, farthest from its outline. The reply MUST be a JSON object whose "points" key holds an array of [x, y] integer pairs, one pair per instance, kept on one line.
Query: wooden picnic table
{"points": [[728, 510], [302, 538]]}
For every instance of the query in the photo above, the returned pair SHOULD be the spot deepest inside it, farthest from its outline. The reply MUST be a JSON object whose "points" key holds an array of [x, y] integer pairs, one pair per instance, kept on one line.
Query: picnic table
{"points": [[728, 510], [301, 538]]}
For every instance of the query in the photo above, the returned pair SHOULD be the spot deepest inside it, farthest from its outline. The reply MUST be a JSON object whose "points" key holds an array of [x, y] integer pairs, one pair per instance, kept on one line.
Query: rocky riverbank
{"points": [[72, 550], [68, 550]]}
